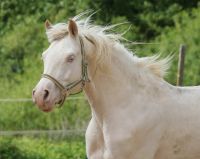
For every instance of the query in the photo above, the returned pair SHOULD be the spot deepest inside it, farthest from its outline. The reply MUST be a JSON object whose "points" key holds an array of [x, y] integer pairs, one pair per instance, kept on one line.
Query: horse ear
{"points": [[47, 24], [72, 27]]}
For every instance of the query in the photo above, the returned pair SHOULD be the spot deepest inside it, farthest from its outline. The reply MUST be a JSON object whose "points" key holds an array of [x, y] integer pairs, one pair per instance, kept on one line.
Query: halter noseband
{"points": [[84, 78]]}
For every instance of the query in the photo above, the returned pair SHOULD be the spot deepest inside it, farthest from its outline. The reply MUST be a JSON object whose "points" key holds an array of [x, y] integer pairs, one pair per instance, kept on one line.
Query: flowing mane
{"points": [[104, 40]]}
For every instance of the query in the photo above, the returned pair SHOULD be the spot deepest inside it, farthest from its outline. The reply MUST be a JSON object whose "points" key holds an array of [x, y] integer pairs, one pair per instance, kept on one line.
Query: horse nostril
{"points": [[33, 92], [46, 94]]}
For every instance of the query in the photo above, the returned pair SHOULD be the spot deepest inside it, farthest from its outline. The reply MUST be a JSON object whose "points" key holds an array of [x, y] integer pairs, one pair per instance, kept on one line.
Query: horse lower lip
{"points": [[46, 110]]}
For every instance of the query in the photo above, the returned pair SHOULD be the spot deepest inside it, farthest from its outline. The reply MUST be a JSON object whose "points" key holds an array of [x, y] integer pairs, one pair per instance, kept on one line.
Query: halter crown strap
{"points": [[84, 78]]}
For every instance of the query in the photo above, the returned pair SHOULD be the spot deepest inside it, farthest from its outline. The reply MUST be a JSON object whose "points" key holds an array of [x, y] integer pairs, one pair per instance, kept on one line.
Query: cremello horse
{"points": [[135, 113]]}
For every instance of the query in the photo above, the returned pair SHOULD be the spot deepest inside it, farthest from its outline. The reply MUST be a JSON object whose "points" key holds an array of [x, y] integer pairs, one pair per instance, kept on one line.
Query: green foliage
{"points": [[27, 148], [186, 31], [18, 45], [150, 17]]}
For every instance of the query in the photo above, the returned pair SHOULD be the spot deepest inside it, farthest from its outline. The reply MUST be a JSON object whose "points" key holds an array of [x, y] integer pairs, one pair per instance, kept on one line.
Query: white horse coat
{"points": [[135, 113], [140, 116]]}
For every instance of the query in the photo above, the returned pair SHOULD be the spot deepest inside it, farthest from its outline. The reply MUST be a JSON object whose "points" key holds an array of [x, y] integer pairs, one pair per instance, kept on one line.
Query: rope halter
{"points": [[84, 78]]}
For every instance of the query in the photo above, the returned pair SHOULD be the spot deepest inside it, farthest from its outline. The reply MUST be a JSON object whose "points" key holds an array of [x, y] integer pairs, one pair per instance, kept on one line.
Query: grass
{"points": [[30, 148]]}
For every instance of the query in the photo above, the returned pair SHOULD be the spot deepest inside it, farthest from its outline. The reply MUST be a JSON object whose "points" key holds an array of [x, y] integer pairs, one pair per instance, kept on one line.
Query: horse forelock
{"points": [[57, 32]]}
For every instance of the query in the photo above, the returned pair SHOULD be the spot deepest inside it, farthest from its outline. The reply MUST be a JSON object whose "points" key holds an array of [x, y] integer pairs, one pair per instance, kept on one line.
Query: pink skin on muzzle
{"points": [[45, 95]]}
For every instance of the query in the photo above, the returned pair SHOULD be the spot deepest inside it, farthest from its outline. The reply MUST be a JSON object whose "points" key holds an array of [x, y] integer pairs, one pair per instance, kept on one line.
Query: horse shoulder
{"points": [[133, 134]]}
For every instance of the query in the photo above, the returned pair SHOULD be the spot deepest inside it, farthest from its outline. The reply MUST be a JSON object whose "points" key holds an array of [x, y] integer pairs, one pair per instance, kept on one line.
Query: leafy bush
{"points": [[186, 31], [150, 17]]}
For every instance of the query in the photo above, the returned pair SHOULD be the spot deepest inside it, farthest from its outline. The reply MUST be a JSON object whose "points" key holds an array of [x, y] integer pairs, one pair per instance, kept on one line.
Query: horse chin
{"points": [[47, 107]]}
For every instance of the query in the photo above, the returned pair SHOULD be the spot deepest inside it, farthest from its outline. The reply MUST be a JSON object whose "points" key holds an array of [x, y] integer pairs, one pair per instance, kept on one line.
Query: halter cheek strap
{"points": [[84, 78]]}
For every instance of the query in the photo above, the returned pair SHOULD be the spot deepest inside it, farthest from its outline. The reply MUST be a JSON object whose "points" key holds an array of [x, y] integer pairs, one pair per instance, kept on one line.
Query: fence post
{"points": [[181, 65]]}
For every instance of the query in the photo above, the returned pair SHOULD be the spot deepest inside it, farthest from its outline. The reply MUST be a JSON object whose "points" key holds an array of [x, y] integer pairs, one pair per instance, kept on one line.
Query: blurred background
{"points": [[27, 133]]}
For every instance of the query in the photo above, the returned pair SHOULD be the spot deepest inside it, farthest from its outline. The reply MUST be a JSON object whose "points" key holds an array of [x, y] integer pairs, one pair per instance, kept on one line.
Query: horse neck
{"points": [[115, 87]]}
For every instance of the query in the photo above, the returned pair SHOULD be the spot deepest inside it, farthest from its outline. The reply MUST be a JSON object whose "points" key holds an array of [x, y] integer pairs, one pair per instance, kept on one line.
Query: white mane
{"points": [[104, 40]]}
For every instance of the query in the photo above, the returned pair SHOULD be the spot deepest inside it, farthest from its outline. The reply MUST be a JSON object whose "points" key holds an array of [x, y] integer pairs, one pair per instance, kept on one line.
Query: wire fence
{"points": [[30, 100], [49, 133]]}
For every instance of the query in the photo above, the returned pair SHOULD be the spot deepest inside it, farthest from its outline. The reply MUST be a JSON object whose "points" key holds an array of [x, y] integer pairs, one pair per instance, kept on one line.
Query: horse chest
{"points": [[130, 140]]}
